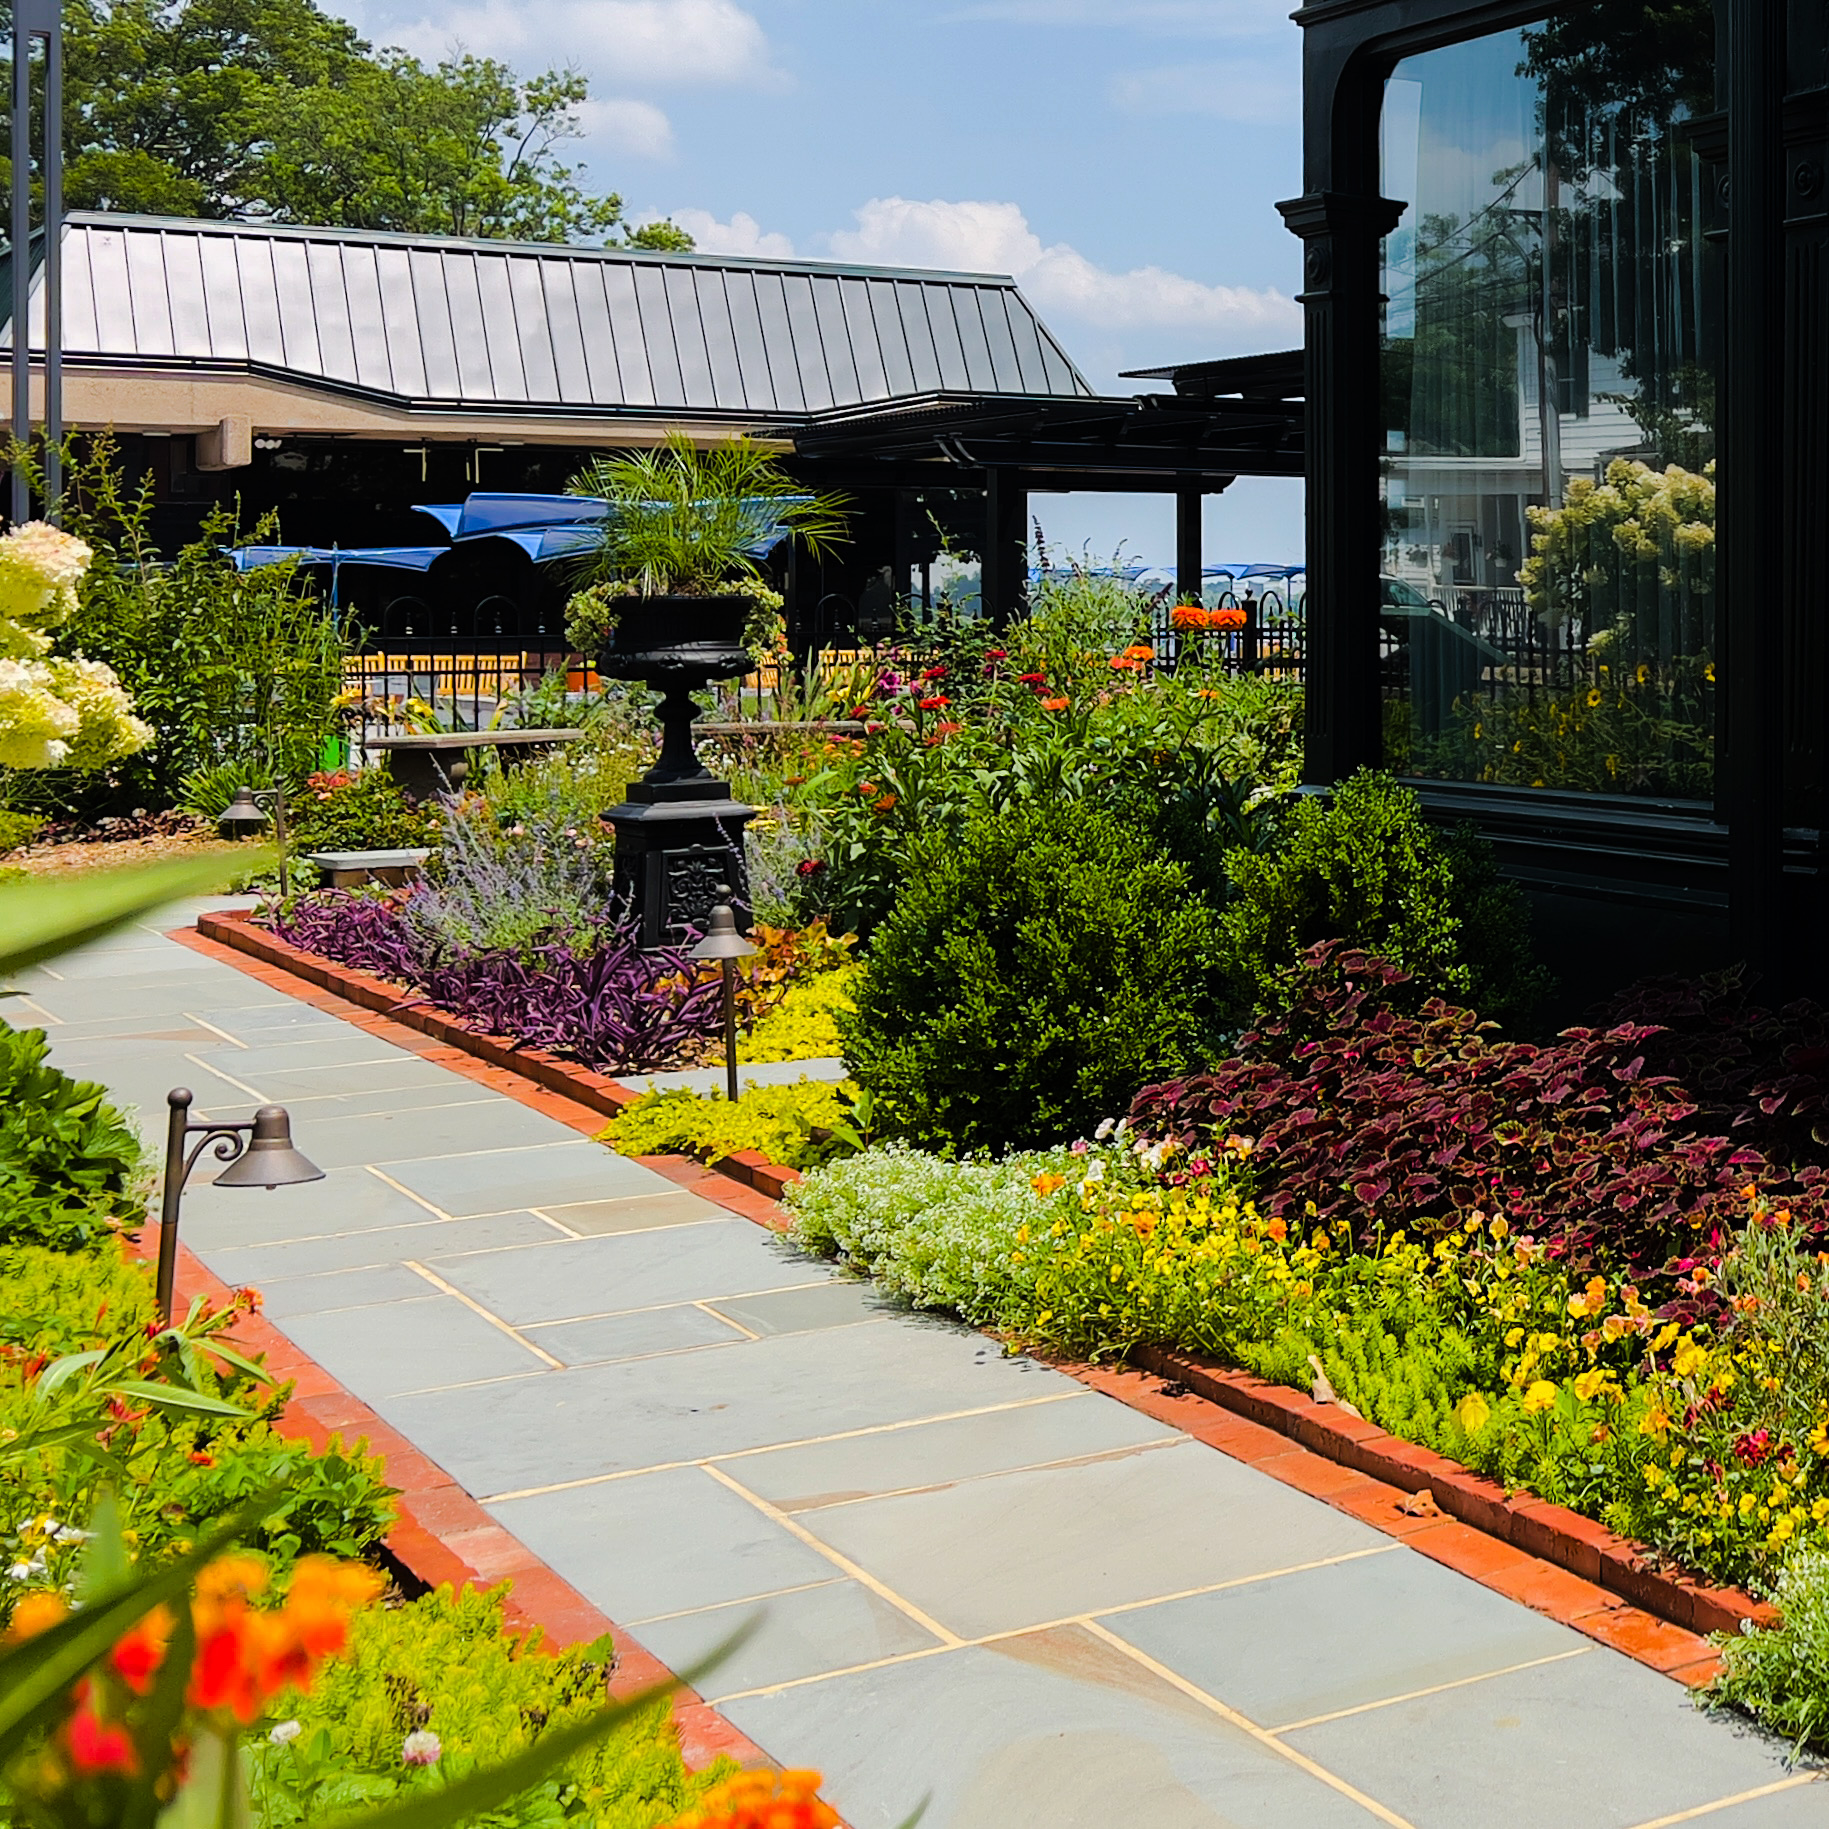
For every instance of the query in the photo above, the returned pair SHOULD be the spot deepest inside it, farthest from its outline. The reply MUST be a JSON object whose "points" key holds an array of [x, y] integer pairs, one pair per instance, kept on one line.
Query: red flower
{"points": [[1031, 679], [996, 654], [934, 673], [96, 1745], [1754, 1449], [858, 711], [934, 704], [809, 866]]}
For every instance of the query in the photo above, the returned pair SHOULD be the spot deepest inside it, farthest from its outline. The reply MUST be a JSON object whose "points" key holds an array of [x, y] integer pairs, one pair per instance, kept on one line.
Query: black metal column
{"points": [[1188, 500], [1343, 439], [1751, 499], [37, 19], [1003, 576]]}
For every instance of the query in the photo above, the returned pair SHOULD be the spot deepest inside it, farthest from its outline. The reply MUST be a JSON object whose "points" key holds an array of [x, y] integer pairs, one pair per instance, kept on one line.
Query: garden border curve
{"points": [[1610, 1584]]}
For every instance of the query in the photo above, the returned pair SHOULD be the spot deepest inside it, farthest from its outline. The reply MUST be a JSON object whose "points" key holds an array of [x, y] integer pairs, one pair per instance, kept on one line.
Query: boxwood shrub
{"points": [[1033, 973]]}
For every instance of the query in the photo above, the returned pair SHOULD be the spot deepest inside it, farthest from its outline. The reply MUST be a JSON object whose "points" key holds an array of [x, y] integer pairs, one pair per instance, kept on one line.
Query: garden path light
{"points": [[724, 943]]}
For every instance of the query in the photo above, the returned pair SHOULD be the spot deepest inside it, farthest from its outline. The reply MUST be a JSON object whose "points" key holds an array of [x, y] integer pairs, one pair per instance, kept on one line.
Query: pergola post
{"points": [[1188, 498], [1754, 477], [37, 19], [1003, 574]]}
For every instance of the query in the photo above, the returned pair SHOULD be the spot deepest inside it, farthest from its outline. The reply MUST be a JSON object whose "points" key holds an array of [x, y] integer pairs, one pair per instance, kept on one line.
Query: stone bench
{"points": [[438, 763], [350, 869]]}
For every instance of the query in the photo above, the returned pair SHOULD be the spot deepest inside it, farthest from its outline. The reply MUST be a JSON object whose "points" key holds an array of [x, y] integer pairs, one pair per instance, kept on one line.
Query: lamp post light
{"points": [[723, 943], [258, 1148], [248, 812]]}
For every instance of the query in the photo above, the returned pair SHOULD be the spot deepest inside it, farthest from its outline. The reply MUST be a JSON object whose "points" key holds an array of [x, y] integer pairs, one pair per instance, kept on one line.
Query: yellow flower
{"points": [[1690, 1359], [1594, 696], [1473, 1411], [1590, 1384], [1540, 1397]]}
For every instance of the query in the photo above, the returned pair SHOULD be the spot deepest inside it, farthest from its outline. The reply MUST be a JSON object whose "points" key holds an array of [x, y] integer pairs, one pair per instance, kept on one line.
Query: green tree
{"points": [[274, 109]]}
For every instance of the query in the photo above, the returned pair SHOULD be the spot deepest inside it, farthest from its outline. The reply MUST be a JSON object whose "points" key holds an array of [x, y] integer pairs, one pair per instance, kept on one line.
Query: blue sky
{"points": [[1120, 157]]}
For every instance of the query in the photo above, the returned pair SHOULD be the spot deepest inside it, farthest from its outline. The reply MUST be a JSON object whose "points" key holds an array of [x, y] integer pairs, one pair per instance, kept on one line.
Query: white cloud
{"points": [[742, 235], [625, 125], [1241, 89], [1059, 280], [626, 43], [1186, 18]]}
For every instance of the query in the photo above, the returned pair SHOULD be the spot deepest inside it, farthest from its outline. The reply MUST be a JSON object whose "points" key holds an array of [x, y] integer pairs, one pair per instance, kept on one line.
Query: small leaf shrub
{"points": [[1034, 972], [1363, 1110], [1364, 867], [790, 1125], [68, 1161], [444, 1666], [19, 829], [1781, 1676], [363, 810]]}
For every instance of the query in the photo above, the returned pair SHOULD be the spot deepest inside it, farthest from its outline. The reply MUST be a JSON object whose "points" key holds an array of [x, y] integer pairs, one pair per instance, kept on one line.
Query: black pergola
{"points": [[1222, 421]]}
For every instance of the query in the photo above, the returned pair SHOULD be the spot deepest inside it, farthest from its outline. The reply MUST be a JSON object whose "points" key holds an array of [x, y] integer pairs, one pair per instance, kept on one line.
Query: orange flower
{"points": [[762, 1800], [1188, 616], [37, 1612], [887, 804], [1231, 617], [137, 1657], [1278, 1229], [1140, 650], [1054, 704], [1123, 663]]}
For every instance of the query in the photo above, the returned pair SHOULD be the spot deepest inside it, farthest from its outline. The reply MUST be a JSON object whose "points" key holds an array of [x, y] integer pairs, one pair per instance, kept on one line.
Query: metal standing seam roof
{"points": [[512, 326]]}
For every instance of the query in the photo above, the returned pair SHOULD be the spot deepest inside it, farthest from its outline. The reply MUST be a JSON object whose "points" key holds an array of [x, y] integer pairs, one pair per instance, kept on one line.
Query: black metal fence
{"points": [[405, 690]]}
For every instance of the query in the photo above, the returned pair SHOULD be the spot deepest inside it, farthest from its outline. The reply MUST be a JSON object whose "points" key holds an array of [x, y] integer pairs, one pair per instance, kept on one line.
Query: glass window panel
{"points": [[1546, 605]]}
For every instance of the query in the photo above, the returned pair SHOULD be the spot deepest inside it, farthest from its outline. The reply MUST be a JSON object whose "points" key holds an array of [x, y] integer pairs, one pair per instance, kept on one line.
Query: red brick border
{"points": [[1550, 1558], [234, 928]]}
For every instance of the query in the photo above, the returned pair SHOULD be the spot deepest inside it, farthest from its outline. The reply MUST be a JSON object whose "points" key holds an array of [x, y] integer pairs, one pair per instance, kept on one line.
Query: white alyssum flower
{"points": [[421, 1748], [284, 1733]]}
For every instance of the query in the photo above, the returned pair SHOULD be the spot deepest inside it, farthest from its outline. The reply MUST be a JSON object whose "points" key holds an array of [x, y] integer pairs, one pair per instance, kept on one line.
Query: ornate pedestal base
{"points": [[679, 852]]}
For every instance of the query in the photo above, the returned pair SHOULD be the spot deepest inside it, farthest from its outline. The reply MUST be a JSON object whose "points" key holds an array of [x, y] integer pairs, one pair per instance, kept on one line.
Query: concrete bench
{"points": [[349, 869]]}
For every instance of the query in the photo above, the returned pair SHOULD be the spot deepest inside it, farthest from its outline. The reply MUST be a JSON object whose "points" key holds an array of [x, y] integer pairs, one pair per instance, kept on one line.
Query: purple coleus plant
{"points": [[585, 990]]}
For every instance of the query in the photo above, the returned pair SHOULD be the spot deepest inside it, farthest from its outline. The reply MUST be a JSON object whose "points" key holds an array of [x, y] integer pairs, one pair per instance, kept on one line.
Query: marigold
{"points": [[36, 1612], [1231, 617], [1054, 704], [762, 1800]]}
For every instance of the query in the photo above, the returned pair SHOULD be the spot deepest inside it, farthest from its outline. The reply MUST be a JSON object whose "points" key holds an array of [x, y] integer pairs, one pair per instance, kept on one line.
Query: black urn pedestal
{"points": [[679, 835]]}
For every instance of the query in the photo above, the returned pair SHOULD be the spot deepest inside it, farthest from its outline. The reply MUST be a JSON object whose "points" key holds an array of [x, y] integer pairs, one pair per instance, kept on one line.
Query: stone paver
{"points": [[980, 1583]]}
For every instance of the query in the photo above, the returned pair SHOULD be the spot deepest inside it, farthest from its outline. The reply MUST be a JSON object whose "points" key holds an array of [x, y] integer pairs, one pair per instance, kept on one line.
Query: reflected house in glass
{"points": [[1559, 266]]}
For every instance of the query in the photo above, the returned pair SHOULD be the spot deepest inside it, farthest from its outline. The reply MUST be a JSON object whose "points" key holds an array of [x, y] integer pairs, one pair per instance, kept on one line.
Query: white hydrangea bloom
{"points": [[36, 726], [64, 712], [108, 729]]}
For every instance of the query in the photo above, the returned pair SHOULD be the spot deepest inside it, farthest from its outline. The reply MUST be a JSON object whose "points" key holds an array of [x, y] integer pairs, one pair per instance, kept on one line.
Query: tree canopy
{"points": [[274, 109]]}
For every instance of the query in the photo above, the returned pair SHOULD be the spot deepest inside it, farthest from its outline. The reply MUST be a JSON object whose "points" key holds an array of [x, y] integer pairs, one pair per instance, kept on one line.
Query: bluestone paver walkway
{"points": [[979, 1580]]}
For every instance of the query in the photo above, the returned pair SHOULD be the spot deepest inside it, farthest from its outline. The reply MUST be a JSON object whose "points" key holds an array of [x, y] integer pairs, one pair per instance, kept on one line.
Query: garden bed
{"points": [[1551, 1533]]}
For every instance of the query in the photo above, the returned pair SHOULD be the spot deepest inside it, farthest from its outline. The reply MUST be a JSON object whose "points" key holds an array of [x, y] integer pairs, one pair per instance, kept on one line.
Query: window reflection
{"points": [[1546, 608]]}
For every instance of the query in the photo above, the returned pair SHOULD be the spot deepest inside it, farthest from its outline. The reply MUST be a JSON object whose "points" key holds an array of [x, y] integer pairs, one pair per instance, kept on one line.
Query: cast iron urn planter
{"points": [[679, 835]]}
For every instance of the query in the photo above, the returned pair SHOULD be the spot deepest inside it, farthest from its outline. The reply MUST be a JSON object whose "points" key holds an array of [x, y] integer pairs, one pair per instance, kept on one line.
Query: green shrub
{"points": [[1364, 867], [1033, 974], [779, 1121], [68, 1160], [366, 810], [19, 829], [443, 1665], [1781, 1676]]}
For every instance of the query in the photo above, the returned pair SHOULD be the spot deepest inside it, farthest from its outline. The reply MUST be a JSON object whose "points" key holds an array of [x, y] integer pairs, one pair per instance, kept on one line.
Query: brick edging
{"points": [[1604, 1585], [443, 1536], [236, 928], [1551, 1533]]}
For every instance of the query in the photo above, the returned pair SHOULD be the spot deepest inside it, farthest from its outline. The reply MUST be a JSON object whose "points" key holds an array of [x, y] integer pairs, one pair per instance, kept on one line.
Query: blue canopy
{"points": [[480, 514]]}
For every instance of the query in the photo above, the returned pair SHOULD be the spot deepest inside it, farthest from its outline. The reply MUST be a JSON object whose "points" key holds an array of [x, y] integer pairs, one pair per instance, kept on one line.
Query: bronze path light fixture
{"points": [[248, 812], [260, 1154], [723, 943]]}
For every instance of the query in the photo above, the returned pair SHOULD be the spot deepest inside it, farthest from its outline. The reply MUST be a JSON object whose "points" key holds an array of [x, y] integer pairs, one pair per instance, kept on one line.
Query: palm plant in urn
{"points": [[673, 593]]}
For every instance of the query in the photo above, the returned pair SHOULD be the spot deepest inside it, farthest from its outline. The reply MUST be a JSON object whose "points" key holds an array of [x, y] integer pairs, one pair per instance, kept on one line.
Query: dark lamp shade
{"points": [[722, 941], [241, 818], [269, 1161]]}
